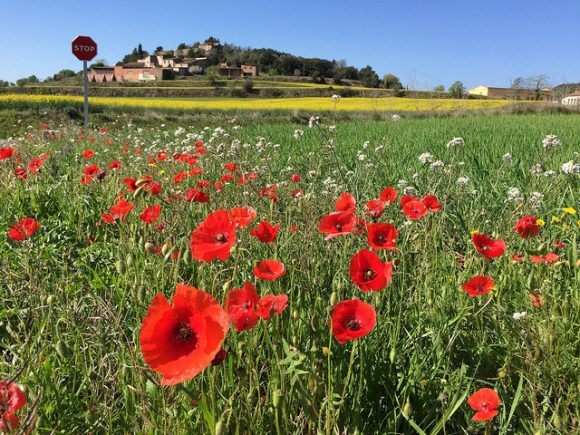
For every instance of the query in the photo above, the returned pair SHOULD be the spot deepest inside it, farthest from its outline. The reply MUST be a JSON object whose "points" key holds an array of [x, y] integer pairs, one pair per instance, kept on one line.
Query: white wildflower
{"points": [[401, 184], [462, 181], [514, 195], [396, 117], [549, 173], [314, 120], [537, 170], [551, 141], [438, 164], [298, 134], [426, 158], [535, 200], [379, 149], [456, 141], [570, 168], [520, 316]]}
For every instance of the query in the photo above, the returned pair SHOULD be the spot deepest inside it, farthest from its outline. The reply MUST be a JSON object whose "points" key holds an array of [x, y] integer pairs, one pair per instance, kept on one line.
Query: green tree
{"points": [[457, 90], [182, 46], [368, 77], [391, 81], [62, 74], [27, 80], [439, 88]]}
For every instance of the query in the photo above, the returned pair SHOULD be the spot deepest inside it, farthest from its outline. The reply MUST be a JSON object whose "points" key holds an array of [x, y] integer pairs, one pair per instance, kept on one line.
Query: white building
{"points": [[572, 100]]}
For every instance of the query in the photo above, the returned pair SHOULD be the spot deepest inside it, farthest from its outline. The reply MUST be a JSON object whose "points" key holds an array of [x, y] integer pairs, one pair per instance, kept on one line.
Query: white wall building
{"points": [[572, 100]]}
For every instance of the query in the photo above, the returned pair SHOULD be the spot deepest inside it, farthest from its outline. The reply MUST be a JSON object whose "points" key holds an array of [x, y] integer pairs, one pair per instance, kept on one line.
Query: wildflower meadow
{"points": [[313, 276]]}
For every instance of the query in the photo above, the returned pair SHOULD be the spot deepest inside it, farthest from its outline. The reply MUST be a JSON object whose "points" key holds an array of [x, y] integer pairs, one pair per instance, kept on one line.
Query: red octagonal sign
{"points": [[84, 48]]}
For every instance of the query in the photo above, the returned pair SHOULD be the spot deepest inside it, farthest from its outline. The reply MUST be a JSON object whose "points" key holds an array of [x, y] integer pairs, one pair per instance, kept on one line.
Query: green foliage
{"points": [[70, 315], [439, 88], [368, 77], [391, 81], [27, 80], [134, 56], [457, 90]]}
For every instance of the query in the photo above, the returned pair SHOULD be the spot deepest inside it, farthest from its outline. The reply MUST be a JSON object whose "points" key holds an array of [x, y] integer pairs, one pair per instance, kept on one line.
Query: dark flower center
{"points": [[381, 238], [183, 332], [370, 274], [353, 324], [222, 237], [339, 227]]}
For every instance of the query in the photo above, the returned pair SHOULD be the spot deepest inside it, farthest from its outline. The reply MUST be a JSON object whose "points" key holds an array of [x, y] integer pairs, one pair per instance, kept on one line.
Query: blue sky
{"points": [[437, 42]]}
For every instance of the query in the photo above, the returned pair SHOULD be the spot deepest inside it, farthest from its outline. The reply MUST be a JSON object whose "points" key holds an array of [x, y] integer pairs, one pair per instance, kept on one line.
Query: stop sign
{"points": [[84, 48]]}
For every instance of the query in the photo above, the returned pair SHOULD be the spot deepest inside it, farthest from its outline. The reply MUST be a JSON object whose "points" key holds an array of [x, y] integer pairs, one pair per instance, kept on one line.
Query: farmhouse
{"points": [[233, 71], [572, 100], [179, 65], [127, 73], [511, 93]]}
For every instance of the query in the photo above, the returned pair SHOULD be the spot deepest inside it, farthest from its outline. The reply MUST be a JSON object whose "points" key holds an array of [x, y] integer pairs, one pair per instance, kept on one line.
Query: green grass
{"points": [[70, 313]]}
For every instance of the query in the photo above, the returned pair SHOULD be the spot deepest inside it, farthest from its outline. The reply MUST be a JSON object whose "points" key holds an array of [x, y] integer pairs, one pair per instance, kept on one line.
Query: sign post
{"points": [[85, 49]]}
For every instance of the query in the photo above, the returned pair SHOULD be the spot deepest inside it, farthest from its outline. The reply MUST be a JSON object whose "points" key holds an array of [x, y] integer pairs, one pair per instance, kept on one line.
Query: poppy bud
{"points": [[187, 256], [165, 248], [332, 299], [556, 421], [219, 427], [392, 355], [276, 395], [295, 314], [149, 247], [121, 267], [408, 409], [101, 175], [314, 323], [62, 349], [130, 260], [49, 299], [137, 192], [140, 241], [226, 286]]}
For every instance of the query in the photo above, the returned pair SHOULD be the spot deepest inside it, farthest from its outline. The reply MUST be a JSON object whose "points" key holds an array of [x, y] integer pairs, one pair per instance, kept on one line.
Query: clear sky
{"points": [[433, 42]]}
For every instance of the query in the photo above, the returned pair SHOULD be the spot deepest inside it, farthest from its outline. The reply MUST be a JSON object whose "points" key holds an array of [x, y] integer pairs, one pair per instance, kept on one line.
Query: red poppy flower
{"points": [[527, 227], [87, 154], [180, 341], [194, 195], [121, 208], [12, 398], [388, 194], [227, 178], [484, 401], [35, 165], [232, 167], [414, 209], [337, 224], [214, 237], [478, 285], [407, 198], [271, 305], [368, 272], [548, 259], [382, 235], [131, 183], [432, 203], [6, 153], [20, 173], [346, 202], [154, 188], [297, 193], [375, 208], [24, 229], [243, 216], [240, 305], [352, 319], [295, 178], [91, 171], [179, 177], [487, 246], [162, 156], [151, 213], [269, 270], [517, 258], [265, 232], [537, 300]]}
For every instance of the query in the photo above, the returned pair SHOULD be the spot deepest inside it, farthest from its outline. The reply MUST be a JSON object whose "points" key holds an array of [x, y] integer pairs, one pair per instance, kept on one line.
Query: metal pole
{"points": [[86, 93]]}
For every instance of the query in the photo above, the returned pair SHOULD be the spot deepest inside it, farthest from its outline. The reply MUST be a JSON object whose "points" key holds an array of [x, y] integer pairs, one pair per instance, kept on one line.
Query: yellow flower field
{"points": [[315, 104]]}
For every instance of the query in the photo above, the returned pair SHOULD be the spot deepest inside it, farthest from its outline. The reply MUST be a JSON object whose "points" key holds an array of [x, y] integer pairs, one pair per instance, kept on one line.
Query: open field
{"points": [[315, 104], [74, 294]]}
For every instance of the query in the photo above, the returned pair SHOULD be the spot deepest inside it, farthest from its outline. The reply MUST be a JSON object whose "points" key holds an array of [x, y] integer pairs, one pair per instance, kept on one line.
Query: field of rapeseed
{"points": [[310, 104], [409, 276]]}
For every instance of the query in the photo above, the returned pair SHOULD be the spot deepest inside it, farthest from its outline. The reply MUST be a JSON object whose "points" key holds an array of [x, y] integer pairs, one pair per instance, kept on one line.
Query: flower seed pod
{"points": [[333, 299], [408, 409], [165, 248], [276, 396], [130, 260], [295, 314], [121, 267], [392, 355], [149, 247]]}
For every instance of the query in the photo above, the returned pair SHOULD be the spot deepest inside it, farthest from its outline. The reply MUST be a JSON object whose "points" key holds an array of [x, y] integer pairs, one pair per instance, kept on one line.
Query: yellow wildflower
{"points": [[569, 210], [540, 222]]}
